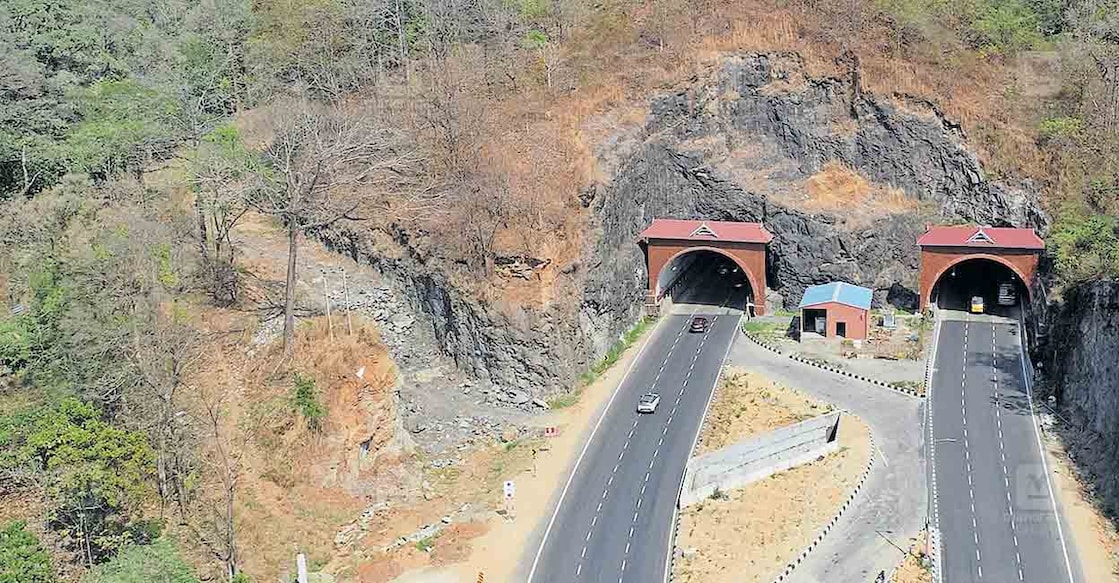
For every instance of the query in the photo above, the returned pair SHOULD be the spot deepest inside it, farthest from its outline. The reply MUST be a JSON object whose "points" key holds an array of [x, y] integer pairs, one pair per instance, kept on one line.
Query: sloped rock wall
{"points": [[1080, 366], [762, 113]]}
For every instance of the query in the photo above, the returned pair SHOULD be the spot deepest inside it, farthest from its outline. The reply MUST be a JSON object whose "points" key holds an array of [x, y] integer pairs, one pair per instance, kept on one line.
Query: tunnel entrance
{"points": [[702, 277], [705, 263], [959, 262], [999, 287]]}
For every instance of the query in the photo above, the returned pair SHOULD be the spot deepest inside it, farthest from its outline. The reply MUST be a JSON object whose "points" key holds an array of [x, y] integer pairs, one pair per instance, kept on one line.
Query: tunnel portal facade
{"points": [[672, 246], [960, 258]]}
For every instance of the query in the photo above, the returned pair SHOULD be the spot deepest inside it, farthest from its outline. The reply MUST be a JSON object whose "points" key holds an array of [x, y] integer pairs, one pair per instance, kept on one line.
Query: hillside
{"points": [[187, 189]]}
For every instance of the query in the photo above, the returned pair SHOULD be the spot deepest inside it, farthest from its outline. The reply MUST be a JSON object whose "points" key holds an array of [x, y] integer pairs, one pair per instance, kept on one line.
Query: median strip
{"points": [[770, 525]]}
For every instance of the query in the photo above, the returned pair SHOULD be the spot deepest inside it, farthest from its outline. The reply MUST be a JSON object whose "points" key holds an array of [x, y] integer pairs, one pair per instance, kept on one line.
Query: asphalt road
{"points": [[615, 517], [890, 510], [995, 508]]}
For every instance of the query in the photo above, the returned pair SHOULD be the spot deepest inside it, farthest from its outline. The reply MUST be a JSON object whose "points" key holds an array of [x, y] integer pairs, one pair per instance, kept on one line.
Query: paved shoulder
{"points": [[891, 508]]}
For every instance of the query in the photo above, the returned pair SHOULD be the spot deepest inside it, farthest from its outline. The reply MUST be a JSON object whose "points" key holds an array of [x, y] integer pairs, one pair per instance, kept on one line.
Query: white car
{"points": [[648, 403]]}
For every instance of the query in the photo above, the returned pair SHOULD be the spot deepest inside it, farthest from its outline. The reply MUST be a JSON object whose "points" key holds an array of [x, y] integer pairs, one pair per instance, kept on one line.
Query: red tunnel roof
{"points": [[725, 231], [972, 236]]}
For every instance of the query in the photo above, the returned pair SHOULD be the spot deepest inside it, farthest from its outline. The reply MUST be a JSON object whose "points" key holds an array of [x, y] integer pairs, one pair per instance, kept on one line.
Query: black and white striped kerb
{"points": [[876, 382], [788, 571]]}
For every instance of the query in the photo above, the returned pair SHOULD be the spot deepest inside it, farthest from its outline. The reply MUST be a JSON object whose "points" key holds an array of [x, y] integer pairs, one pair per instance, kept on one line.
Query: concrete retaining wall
{"points": [[759, 457]]}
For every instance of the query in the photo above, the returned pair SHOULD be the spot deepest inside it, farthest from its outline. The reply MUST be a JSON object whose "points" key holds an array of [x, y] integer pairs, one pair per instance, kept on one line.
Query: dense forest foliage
{"points": [[378, 108]]}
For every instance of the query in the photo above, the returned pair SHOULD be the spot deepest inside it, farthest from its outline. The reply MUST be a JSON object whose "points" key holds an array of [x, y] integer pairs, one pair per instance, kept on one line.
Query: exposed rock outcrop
{"points": [[1081, 368], [735, 144], [728, 146], [532, 351]]}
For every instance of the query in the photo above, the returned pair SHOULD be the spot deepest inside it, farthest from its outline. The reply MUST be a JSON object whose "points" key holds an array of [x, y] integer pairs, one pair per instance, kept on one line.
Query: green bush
{"points": [[1085, 245], [158, 562], [97, 475], [1063, 127], [1005, 26], [22, 558], [306, 400], [425, 544]]}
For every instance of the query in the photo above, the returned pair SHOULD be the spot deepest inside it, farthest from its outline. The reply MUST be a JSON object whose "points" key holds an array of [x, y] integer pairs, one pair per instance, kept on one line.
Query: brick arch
{"points": [[654, 279], [969, 257]]}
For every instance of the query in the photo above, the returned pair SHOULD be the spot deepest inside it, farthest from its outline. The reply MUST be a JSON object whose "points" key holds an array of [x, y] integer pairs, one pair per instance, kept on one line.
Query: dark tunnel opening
{"points": [[705, 278], [980, 285]]}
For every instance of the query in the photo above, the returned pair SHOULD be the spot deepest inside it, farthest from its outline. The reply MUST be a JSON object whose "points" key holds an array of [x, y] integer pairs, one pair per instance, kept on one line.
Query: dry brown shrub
{"points": [[296, 486], [839, 189]]}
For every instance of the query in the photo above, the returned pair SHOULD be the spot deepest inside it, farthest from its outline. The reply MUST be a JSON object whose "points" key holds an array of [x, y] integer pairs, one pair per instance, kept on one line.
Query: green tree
{"points": [[98, 475], [22, 558], [158, 562], [1085, 245], [1005, 26], [125, 125]]}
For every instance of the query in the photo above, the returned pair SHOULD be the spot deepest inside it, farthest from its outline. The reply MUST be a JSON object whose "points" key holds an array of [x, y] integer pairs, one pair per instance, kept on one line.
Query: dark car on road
{"points": [[698, 325]]}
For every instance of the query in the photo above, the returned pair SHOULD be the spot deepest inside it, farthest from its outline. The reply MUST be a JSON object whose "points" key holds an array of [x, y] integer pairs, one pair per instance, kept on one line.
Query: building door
{"points": [[841, 329]]}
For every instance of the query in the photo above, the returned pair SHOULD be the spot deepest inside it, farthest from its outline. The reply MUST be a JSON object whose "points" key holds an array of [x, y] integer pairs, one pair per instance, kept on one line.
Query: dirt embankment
{"points": [[747, 404], [749, 534], [914, 568]]}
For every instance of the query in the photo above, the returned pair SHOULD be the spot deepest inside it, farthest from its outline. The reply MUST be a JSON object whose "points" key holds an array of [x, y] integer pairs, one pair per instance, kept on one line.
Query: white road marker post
{"points": [[326, 300], [301, 568]]}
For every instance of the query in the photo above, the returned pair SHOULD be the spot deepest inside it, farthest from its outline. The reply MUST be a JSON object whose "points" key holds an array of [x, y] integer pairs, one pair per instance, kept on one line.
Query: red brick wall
{"points": [[749, 256], [857, 320], [936, 260]]}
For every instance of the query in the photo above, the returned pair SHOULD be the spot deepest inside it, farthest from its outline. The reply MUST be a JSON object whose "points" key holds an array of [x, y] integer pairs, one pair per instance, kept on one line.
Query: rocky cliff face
{"points": [[735, 144], [1081, 369], [512, 351]]}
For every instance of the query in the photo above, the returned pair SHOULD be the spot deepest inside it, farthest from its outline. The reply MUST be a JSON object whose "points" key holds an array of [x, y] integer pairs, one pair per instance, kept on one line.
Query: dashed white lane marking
{"points": [[660, 441], [967, 457], [656, 451], [1002, 453]]}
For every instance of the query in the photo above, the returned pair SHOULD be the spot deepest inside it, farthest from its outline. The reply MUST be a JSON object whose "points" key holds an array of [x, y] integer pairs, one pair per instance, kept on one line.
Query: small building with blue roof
{"points": [[836, 310]]}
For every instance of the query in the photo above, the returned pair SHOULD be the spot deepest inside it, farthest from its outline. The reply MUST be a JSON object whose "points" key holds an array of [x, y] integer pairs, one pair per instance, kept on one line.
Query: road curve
{"points": [[614, 519], [995, 506]]}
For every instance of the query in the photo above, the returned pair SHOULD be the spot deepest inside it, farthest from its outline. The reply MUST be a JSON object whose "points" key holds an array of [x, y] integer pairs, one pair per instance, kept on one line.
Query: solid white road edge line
{"points": [[695, 440], [1040, 449], [590, 439], [931, 460]]}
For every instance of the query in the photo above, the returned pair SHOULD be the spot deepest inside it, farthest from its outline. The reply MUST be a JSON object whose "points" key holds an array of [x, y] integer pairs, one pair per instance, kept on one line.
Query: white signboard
{"points": [[510, 489]]}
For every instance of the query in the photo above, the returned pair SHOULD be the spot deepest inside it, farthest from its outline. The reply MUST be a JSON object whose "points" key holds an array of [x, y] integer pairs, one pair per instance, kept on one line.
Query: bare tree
{"points": [[164, 351], [328, 167], [218, 174], [484, 209], [216, 527]]}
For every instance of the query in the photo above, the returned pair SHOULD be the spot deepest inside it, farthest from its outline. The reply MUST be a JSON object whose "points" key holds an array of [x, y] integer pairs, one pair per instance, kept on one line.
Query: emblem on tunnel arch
{"points": [[976, 260], [675, 249], [704, 231]]}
